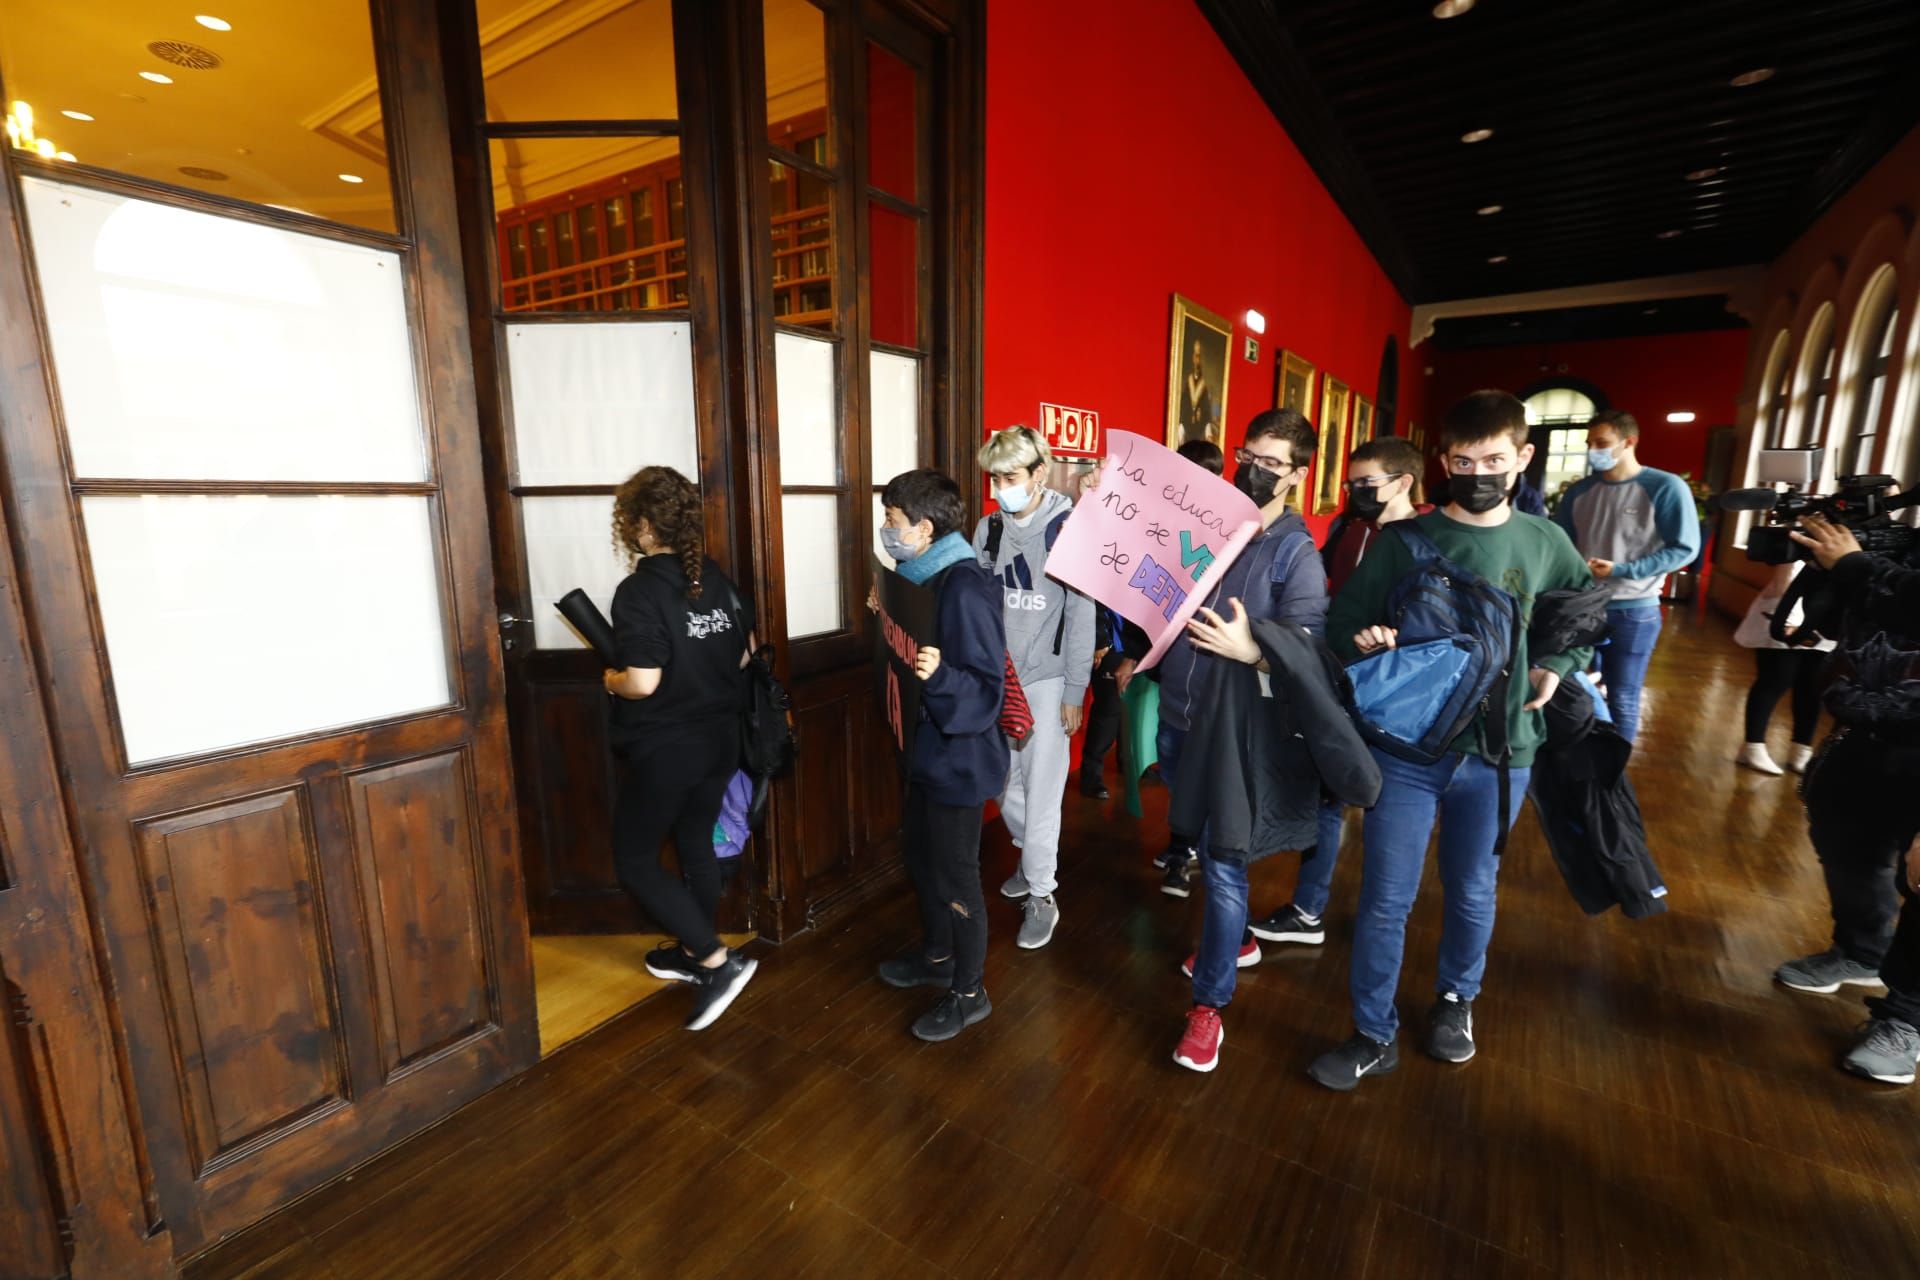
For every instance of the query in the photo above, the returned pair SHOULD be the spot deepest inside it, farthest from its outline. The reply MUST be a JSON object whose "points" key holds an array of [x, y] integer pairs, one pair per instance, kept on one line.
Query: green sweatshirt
{"points": [[1524, 556]]}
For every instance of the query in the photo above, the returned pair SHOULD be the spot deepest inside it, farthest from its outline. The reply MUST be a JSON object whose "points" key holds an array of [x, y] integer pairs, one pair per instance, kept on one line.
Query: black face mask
{"points": [[1478, 494], [1257, 483], [1365, 504]]}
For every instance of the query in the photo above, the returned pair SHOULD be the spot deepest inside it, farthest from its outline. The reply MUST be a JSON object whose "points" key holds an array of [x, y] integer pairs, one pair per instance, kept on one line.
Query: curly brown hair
{"points": [[670, 503]]}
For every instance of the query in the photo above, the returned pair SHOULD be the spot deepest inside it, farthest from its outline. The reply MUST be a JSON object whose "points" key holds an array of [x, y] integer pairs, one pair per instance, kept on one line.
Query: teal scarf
{"points": [[944, 554]]}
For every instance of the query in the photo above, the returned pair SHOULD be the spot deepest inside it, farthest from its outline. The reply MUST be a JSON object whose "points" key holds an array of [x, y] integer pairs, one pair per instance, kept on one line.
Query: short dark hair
{"points": [[1624, 423], [1289, 425], [1204, 453], [1482, 416], [926, 495], [1400, 457]]}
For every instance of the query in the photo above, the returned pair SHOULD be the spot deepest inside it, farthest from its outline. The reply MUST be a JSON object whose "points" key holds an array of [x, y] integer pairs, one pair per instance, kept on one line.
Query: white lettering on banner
{"points": [[702, 625], [1070, 433]]}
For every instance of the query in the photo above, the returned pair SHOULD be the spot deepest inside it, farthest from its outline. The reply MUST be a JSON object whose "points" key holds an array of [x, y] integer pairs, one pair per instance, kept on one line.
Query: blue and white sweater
{"points": [[1647, 525]]}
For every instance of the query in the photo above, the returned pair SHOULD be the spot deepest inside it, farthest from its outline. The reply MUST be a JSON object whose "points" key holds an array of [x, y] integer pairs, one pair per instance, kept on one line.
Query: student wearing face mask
{"points": [[958, 759], [1635, 525], [1484, 443], [1050, 638], [1383, 485]]}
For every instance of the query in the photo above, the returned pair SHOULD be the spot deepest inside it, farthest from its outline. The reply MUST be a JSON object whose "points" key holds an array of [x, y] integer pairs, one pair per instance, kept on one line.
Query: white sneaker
{"points": [[1798, 758], [1754, 756], [1016, 886]]}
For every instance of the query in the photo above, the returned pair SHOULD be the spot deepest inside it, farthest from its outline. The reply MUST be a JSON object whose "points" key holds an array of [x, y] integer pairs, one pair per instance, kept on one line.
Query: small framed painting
{"points": [[1362, 423], [1293, 383], [1197, 374], [1330, 463]]}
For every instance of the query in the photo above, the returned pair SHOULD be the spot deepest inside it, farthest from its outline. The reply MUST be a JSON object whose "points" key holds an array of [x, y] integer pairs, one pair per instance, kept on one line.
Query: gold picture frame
{"points": [[1293, 383], [1199, 358], [1362, 423], [1330, 461]]}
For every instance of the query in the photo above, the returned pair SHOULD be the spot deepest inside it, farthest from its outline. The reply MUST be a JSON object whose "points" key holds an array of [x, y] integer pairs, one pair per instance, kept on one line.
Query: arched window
{"points": [[1563, 412], [1780, 385], [1816, 381], [1871, 358]]}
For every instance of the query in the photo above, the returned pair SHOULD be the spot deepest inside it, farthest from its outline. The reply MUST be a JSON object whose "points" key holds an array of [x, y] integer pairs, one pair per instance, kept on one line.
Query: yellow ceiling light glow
{"points": [[212, 23], [156, 77], [353, 178], [21, 135], [81, 116]]}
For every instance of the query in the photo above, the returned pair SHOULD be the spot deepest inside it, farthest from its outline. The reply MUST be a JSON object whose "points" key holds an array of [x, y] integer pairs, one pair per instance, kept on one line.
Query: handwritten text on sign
{"points": [[1142, 542], [906, 623]]}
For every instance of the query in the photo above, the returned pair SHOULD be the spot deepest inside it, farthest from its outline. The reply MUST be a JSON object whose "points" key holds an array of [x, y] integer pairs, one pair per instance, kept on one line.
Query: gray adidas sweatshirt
{"points": [[1034, 605]]}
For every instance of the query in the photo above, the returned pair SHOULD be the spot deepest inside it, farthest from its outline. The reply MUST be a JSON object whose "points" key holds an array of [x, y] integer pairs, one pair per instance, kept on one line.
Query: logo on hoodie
{"points": [[1017, 578]]}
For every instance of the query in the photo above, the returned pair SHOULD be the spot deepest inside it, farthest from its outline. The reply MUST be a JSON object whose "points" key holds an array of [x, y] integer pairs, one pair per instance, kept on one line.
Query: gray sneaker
{"points": [[1825, 972], [1042, 917], [1887, 1052], [1015, 887]]}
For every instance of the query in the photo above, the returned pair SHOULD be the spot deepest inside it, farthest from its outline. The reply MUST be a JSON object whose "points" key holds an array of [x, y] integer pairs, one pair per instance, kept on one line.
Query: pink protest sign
{"points": [[1142, 542]]}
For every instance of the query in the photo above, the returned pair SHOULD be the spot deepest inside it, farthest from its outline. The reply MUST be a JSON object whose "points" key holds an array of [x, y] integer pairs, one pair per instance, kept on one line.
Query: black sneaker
{"points": [[1177, 883], [1178, 850], [670, 963], [1354, 1061], [1450, 1029], [1093, 788], [913, 969], [1291, 924], [716, 988], [953, 1014]]}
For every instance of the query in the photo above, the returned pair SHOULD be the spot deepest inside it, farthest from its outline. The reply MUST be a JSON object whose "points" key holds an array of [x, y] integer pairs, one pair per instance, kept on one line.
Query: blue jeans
{"points": [[1465, 790], [1631, 635], [1224, 921], [1168, 744], [1316, 868]]}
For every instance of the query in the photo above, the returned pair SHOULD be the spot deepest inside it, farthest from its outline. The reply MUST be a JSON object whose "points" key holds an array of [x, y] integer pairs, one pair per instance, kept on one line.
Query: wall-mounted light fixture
{"points": [[1256, 321], [1680, 417]]}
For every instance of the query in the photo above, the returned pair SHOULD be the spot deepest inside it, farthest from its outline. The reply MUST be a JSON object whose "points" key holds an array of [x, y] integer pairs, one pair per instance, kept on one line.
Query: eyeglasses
{"points": [[1373, 482], [1272, 466]]}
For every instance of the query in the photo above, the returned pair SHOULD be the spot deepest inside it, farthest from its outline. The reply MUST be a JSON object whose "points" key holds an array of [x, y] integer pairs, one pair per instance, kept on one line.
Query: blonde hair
{"points": [[1015, 447]]}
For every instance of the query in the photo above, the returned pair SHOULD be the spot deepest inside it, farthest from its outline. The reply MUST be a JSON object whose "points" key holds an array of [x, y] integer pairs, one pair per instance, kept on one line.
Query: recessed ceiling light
{"points": [[1671, 233], [212, 23], [353, 178], [1476, 135], [1680, 417], [203, 173], [1451, 8], [64, 155], [1647, 311], [1759, 75], [1487, 211], [81, 116], [156, 77], [1497, 259], [1701, 175]]}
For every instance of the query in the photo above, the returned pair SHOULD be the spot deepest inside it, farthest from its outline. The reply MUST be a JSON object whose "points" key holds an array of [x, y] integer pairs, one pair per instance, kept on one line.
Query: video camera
{"points": [[1862, 504]]}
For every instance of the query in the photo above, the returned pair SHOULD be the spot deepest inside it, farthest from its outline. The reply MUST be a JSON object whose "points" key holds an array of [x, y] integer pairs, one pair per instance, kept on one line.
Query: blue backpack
{"points": [[1452, 659]]}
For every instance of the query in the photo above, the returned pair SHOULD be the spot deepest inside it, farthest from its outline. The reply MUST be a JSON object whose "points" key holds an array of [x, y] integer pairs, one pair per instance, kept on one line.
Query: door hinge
{"points": [[22, 1011]]}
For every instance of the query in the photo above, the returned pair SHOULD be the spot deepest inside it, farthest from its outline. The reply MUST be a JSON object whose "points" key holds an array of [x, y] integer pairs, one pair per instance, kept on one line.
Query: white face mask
{"points": [[1013, 500]]}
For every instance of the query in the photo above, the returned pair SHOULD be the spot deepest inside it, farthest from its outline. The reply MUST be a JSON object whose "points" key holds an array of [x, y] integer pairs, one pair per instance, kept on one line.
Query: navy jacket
{"points": [[960, 757]]}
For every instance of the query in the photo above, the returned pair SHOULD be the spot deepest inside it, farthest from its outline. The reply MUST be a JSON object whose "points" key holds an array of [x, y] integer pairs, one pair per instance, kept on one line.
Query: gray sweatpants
{"points": [[1036, 786]]}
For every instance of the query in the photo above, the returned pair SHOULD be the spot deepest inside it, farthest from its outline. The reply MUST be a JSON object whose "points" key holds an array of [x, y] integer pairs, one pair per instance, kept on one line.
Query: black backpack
{"points": [[767, 741]]}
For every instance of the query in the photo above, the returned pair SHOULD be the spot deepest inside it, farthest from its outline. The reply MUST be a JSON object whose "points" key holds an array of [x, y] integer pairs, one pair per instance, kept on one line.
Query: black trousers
{"points": [[941, 847], [1777, 671], [675, 788], [1103, 720], [1861, 817]]}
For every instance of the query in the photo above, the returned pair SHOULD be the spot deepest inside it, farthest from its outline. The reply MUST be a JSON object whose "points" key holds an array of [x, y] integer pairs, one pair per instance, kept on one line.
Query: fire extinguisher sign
{"points": [[1071, 433]]}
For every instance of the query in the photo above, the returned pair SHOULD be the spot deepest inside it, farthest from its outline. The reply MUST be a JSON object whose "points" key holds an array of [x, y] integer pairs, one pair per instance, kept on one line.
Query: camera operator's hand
{"points": [[1830, 543], [1913, 865]]}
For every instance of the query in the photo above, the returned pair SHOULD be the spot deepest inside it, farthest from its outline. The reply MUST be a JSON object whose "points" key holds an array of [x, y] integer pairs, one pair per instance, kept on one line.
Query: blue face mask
{"points": [[1013, 501], [894, 542], [1601, 459]]}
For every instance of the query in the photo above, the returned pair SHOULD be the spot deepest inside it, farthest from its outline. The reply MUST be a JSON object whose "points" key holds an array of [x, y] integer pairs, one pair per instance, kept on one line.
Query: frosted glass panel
{"points": [[569, 544], [809, 410], [243, 619], [189, 346], [593, 403], [811, 532], [895, 392]]}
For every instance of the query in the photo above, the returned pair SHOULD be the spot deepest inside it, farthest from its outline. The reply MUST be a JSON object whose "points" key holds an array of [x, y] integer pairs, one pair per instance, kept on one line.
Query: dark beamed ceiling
{"points": [[1600, 109]]}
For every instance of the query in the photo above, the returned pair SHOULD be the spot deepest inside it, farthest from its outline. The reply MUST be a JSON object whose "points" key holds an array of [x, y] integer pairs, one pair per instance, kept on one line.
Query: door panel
{"points": [[30, 1244], [249, 986], [413, 844]]}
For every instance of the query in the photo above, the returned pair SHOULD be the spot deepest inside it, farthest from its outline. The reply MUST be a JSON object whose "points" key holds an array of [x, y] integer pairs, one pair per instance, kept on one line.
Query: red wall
{"points": [[1128, 159], [1648, 377]]}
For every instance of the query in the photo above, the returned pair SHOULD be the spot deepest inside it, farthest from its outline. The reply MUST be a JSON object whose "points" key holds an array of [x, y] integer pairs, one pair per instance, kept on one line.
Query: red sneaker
{"points": [[1249, 956], [1199, 1048]]}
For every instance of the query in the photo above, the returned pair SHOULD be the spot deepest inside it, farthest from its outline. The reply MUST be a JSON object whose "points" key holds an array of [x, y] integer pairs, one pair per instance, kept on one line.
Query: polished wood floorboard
{"points": [[584, 981], [1645, 1101]]}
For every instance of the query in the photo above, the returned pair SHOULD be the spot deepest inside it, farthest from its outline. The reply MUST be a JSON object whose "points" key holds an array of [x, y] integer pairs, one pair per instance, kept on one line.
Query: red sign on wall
{"points": [[1070, 433]]}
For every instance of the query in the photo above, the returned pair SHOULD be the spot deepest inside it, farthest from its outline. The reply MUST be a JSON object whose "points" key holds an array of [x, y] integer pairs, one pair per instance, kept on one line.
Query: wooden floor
{"points": [[1645, 1101], [583, 982]]}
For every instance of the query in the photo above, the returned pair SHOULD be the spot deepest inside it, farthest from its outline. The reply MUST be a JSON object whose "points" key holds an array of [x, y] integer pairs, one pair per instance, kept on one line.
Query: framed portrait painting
{"points": [[1330, 463], [1197, 366], [1293, 384], [1362, 424]]}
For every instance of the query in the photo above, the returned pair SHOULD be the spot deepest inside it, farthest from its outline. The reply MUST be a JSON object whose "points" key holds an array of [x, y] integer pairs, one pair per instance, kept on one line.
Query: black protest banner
{"points": [[905, 623]]}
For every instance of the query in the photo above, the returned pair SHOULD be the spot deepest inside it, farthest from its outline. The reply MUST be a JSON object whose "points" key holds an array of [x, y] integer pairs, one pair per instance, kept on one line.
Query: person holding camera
{"points": [[1862, 814]]}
